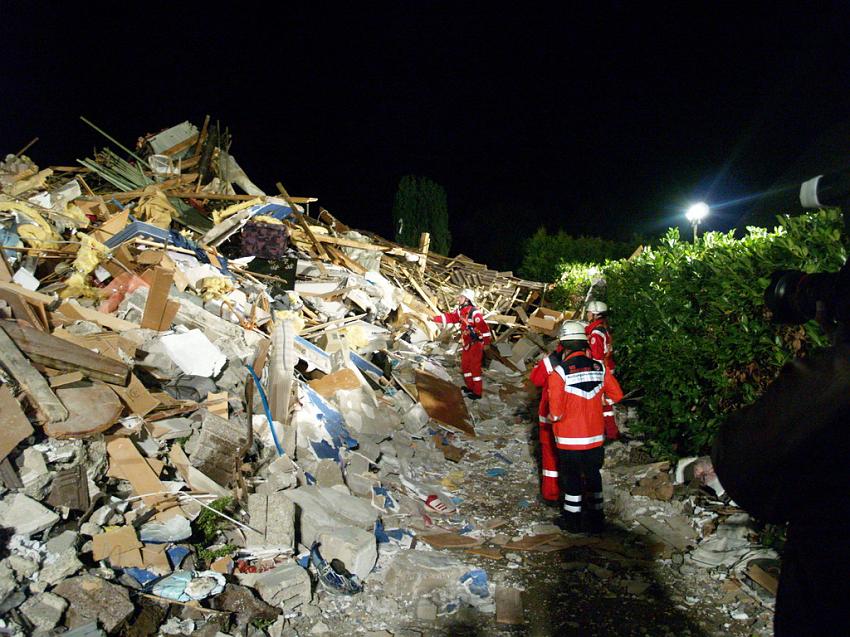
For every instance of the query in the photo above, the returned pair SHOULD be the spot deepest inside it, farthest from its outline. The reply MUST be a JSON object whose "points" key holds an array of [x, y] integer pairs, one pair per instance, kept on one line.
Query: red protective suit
{"points": [[575, 404], [475, 337], [549, 457], [601, 346]]}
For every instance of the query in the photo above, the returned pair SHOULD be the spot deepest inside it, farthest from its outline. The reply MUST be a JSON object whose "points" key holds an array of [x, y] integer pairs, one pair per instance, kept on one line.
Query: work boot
{"points": [[593, 522], [571, 524]]}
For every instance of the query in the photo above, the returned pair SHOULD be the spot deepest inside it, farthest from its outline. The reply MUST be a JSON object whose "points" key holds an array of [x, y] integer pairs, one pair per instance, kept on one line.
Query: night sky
{"points": [[603, 118]]}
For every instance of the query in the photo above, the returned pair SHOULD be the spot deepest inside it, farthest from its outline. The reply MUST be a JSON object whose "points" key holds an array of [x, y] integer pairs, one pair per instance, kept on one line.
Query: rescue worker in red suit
{"points": [[601, 346], [549, 489], [475, 338], [576, 391]]}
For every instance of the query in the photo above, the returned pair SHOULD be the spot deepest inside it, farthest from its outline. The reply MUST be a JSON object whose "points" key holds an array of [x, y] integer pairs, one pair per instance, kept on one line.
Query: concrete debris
{"points": [[26, 516], [45, 611], [286, 587], [91, 598]]}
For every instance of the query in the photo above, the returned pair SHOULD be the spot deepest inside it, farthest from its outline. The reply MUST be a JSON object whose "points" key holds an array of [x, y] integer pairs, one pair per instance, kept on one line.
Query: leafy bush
{"points": [[691, 329], [546, 255]]}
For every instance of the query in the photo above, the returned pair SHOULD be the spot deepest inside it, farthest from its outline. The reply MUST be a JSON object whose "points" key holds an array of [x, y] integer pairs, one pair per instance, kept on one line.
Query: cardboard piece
{"points": [[159, 311], [92, 408], [545, 321], [123, 453], [136, 396], [328, 385], [766, 577], [217, 404], [115, 470], [444, 402], [120, 546], [14, 426], [155, 558], [509, 606]]}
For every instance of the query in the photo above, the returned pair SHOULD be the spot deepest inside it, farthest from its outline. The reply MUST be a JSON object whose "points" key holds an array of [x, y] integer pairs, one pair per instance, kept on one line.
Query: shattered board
{"points": [[443, 402]]}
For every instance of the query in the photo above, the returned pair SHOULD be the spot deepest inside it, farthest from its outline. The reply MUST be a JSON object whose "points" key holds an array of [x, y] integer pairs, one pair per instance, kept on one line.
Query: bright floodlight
{"points": [[697, 212]]}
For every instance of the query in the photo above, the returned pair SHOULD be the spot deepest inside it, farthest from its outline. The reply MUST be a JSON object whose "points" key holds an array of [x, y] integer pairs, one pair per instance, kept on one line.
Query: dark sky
{"points": [[601, 118]]}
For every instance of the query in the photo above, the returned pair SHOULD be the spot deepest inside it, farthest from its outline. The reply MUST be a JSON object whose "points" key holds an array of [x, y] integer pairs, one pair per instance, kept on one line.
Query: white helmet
{"points": [[572, 331], [469, 294], [597, 307]]}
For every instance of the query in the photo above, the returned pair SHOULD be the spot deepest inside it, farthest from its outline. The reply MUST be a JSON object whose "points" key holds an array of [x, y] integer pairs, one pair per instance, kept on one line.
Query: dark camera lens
{"points": [[793, 296]]}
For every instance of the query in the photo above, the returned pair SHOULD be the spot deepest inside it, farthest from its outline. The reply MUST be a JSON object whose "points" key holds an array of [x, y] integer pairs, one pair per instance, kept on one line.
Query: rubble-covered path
{"points": [[638, 578]]}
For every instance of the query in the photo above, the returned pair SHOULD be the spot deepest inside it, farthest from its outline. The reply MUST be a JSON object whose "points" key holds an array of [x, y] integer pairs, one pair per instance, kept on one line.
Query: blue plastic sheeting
{"points": [[176, 555], [476, 583], [332, 421], [503, 458], [9, 238], [309, 477], [141, 575], [276, 210], [495, 473], [138, 228], [365, 366]]}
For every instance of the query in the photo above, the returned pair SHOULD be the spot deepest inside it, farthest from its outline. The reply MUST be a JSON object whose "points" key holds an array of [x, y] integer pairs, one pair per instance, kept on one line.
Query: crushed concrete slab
{"points": [[354, 547], [25, 515], [273, 516], [92, 598], [286, 587], [58, 566], [219, 447], [415, 573], [44, 611]]}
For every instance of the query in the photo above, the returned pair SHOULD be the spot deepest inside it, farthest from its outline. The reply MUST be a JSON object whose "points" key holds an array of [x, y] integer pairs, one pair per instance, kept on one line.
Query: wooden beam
{"points": [[30, 380], [60, 354]]}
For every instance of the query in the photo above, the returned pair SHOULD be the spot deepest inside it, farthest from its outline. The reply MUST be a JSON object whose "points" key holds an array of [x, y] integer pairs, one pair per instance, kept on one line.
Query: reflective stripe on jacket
{"points": [[576, 391]]}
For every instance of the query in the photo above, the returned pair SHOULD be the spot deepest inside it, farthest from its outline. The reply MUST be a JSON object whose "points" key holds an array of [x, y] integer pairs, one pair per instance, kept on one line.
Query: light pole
{"points": [[696, 213]]}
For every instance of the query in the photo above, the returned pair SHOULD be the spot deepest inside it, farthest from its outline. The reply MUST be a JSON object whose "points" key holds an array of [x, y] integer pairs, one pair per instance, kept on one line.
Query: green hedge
{"points": [[690, 325]]}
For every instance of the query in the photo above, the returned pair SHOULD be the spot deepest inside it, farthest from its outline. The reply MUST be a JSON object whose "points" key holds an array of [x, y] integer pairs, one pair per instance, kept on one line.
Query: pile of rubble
{"points": [[221, 415]]}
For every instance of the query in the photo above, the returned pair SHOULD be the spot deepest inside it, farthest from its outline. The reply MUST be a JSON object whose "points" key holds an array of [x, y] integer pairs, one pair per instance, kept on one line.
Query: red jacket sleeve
{"points": [[612, 389], [539, 375], [557, 400], [447, 317]]}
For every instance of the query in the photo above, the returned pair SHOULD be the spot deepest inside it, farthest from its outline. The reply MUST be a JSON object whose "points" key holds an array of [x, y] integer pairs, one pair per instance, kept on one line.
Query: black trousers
{"points": [[581, 482]]}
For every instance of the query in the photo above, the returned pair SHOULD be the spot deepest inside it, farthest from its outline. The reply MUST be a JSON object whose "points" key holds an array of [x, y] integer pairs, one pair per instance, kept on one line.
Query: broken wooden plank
{"points": [[444, 402], [450, 540], [74, 310], [14, 426], [33, 383], [66, 379], [63, 355]]}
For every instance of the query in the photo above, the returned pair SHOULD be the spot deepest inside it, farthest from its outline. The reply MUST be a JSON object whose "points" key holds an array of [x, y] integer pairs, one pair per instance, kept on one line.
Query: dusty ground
{"points": [[624, 584]]}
